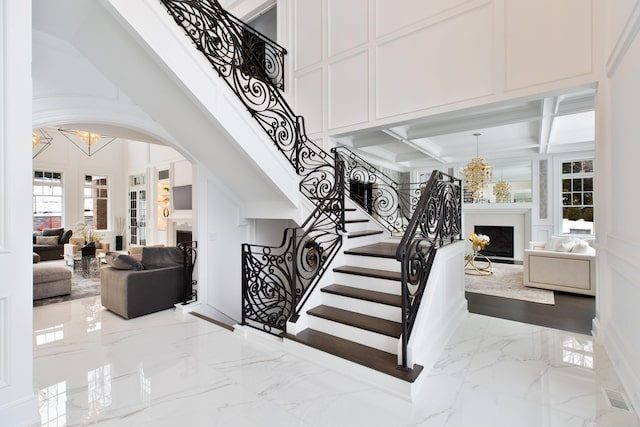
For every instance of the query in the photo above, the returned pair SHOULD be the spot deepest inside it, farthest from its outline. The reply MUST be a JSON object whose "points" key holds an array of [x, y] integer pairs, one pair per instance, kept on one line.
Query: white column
{"points": [[18, 403]]}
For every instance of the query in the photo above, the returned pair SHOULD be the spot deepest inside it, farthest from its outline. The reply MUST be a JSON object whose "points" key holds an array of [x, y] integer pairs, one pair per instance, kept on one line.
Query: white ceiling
{"points": [[519, 129]]}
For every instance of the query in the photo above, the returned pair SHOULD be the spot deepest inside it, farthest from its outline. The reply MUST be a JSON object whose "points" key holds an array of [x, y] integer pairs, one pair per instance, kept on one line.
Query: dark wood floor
{"points": [[571, 312]]}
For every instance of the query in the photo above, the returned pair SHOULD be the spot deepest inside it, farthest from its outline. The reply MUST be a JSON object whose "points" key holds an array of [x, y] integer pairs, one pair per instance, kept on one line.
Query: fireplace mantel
{"points": [[177, 223], [517, 215]]}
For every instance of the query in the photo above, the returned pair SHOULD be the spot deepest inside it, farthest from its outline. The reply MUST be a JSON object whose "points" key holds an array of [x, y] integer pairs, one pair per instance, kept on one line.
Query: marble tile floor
{"points": [[170, 369]]}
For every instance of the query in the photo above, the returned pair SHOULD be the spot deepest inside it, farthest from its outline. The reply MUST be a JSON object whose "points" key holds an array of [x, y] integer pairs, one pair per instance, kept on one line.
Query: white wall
{"points": [[18, 403], [618, 235], [63, 156], [361, 63]]}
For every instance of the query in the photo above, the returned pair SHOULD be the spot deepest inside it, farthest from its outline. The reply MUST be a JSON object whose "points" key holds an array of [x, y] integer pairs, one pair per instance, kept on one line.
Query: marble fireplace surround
{"points": [[518, 217]]}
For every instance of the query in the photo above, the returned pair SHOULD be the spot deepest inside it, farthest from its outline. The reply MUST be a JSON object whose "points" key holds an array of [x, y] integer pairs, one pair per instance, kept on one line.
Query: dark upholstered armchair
{"points": [[49, 243], [132, 288]]}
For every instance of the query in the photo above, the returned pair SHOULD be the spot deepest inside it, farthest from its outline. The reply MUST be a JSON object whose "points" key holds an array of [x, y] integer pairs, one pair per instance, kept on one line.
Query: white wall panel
{"points": [[543, 47], [392, 15], [349, 91], [4, 333], [309, 99], [348, 24], [447, 62], [619, 17], [307, 33]]}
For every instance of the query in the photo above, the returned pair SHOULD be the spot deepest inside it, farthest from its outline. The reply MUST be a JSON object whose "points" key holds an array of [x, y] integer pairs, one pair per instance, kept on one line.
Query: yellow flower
{"points": [[479, 241]]}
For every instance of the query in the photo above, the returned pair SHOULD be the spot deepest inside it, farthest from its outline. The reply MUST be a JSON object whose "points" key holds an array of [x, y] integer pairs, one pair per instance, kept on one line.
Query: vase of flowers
{"points": [[478, 241]]}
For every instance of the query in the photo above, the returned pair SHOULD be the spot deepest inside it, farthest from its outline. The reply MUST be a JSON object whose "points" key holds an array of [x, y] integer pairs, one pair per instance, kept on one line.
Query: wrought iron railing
{"points": [[227, 42], [275, 279], [190, 256], [390, 203], [437, 221]]}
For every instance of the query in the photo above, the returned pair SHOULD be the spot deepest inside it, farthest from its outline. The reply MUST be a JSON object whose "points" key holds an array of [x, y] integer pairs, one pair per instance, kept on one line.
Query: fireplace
{"points": [[501, 243], [183, 236]]}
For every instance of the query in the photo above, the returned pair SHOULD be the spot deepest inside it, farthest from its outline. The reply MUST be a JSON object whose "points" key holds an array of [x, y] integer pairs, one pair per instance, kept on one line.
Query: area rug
{"points": [[506, 282], [81, 287]]}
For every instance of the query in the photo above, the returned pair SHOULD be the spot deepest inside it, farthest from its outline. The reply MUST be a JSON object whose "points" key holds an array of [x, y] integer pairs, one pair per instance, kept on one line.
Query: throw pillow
{"points": [[53, 232], [566, 246], [47, 240], [582, 247], [122, 261], [553, 243], [161, 257]]}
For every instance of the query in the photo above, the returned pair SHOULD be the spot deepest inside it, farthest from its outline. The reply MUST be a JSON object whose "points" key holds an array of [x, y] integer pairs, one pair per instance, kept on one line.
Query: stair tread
{"points": [[369, 357], [362, 321], [364, 294], [369, 272], [380, 249], [355, 221], [363, 233]]}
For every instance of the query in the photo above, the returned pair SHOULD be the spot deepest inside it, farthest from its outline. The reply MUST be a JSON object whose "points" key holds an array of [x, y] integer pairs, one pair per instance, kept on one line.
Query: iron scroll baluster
{"points": [[189, 256], [389, 203], [437, 221]]}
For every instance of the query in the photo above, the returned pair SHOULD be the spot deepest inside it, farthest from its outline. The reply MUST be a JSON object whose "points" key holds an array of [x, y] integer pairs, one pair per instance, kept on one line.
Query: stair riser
{"points": [[378, 263], [370, 283], [357, 226], [354, 242], [369, 308], [361, 336]]}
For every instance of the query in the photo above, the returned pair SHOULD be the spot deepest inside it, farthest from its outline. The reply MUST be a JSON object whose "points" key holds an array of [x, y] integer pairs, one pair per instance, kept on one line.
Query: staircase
{"points": [[337, 283], [359, 319]]}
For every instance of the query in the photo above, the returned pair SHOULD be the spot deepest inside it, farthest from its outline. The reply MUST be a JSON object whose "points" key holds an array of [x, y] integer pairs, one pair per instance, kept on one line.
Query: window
{"points": [[96, 201], [577, 197], [47, 200]]}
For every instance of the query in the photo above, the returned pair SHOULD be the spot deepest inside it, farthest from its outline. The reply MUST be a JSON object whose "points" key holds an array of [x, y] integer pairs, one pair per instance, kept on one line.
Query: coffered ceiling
{"points": [[549, 124]]}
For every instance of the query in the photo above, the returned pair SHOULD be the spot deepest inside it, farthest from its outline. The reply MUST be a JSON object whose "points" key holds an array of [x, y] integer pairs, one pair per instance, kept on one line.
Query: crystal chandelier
{"points": [[477, 174], [88, 142]]}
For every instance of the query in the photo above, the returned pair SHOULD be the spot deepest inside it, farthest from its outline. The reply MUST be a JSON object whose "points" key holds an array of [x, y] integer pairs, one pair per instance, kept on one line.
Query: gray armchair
{"points": [[132, 288]]}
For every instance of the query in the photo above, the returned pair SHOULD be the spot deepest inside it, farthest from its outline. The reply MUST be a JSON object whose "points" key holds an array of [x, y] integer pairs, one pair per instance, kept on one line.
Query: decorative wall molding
{"points": [[4, 333], [624, 41], [3, 137], [464, 71], [348, 91], [414, 12], [623, 256], [347, 25], [552, 56]]}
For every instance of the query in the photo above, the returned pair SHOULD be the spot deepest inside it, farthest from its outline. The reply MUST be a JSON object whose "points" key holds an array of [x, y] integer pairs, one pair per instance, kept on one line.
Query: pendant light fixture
{"points": [[477, 174]]}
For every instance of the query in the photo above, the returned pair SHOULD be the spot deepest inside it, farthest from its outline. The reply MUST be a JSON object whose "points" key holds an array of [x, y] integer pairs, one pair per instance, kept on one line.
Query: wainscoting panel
{"points": [[390, 16], [561, 48], [307, 46], [4, 332], [407, 79], [348, 24], [309, 99], [348, 82]]}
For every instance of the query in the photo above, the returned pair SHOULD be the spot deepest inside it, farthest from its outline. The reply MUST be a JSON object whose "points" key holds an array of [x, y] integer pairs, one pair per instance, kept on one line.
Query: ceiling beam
{"points": [[416, 146], [549, 110], [480, 120]]}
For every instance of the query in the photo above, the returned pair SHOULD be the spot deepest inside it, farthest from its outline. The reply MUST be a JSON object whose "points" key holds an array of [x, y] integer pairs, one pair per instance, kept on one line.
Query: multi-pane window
{"points": [[47, 200], [577, 197], [96, 201]]}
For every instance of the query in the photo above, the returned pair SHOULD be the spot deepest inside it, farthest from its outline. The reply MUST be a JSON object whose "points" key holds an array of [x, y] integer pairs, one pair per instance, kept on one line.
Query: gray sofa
{"points": [[132, 288], [49, 248]]}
